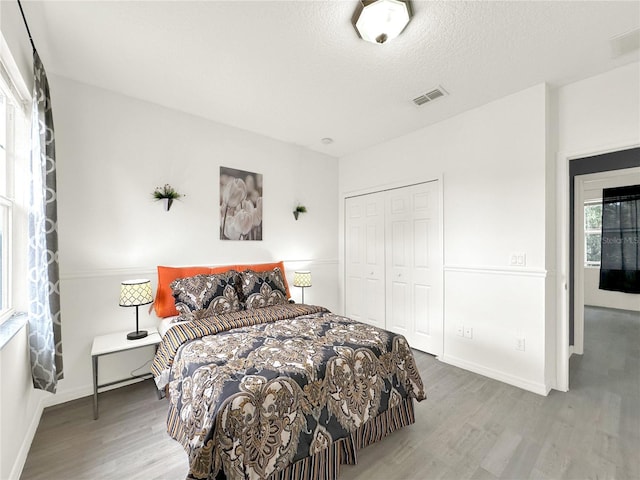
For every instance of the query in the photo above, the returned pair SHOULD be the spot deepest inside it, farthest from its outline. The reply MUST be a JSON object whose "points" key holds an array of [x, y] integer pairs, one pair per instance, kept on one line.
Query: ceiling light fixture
{"points": [[378, 21]]}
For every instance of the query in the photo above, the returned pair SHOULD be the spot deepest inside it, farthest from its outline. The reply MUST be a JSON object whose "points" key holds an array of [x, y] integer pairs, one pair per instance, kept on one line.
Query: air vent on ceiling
{"points": [[430, 96]]}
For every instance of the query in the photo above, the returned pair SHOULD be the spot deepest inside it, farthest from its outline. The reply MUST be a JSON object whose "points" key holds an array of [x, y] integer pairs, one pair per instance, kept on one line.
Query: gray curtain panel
{"points": [[44, 283]]}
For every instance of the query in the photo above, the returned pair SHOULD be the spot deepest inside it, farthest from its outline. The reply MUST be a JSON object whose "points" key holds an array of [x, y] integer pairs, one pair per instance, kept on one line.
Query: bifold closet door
{"points": [[364, 259], [414, 266]]}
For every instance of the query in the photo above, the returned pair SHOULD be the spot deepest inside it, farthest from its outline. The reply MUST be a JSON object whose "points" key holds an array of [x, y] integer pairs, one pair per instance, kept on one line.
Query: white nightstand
{"points": [[114, 343]]}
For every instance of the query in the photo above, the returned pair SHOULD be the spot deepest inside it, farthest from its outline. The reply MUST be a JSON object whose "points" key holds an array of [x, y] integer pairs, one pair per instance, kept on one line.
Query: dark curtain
{"points": [[620, 262]]}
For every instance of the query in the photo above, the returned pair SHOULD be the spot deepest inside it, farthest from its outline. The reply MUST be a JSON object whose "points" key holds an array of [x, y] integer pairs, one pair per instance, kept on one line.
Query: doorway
{"points": [[588, 200], [608, 162]]}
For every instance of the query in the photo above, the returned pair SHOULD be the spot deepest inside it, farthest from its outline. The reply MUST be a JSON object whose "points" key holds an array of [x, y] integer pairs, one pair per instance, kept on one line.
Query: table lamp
{"points": [[302, 280], [134, 293]]}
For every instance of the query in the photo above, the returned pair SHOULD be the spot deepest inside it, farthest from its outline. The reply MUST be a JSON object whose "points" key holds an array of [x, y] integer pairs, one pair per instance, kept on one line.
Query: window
{"points": [[13, 142], [592, 233]]}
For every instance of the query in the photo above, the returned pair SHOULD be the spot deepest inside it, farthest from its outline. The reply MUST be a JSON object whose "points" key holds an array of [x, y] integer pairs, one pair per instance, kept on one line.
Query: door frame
{"points": [[381, 188], [565, 280]]}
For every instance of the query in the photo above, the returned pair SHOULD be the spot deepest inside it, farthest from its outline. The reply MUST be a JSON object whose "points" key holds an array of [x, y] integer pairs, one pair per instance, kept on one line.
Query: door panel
{"points": [[414, 258], [398, 244], [372, 248], [421, 309], [421, 243], [364, 259], [374, 302], [353, 300], [398, 320]]}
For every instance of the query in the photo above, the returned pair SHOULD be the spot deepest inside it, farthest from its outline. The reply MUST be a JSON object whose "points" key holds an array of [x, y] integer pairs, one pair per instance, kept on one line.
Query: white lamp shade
{"points": [[301, 279], [135, 292], [382, 20]]}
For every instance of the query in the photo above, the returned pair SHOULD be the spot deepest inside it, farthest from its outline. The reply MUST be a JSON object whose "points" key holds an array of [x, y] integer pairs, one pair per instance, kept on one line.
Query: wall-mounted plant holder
{"points": [[167, 194], [299, 209]]}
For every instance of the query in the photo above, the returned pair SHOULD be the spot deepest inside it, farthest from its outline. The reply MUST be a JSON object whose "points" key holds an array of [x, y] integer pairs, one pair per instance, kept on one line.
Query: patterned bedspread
{"points": [[252, 392]]}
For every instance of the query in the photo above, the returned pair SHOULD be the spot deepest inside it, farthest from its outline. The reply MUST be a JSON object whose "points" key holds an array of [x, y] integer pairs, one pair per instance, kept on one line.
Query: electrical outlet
{"points": [[468, 332], [520, 344], [460, 330]]}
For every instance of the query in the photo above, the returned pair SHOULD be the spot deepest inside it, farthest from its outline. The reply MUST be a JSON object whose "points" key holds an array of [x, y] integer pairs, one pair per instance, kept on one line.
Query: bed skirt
{"points": [[325, 465]]}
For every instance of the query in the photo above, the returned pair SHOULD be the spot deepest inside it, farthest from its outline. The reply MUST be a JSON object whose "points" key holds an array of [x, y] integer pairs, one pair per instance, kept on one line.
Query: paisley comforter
{"points": [[253, 393]]}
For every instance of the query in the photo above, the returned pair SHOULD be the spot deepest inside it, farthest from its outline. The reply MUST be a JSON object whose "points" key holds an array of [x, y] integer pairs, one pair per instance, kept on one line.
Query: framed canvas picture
{"points": [[240, 204]]}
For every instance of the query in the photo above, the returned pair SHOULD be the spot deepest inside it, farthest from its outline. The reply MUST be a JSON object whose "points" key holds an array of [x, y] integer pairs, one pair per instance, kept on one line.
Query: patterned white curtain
{"points": [[44, 284]]}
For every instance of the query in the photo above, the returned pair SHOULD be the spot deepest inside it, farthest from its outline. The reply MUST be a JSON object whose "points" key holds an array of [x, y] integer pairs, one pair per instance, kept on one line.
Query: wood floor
{"points": [[470, 427]]}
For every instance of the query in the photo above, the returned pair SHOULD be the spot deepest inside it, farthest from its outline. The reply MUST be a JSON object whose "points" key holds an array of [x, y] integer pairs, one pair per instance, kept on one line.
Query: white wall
{"points": [[20, 406], [493, 161], [112, 152], [599, 113]]}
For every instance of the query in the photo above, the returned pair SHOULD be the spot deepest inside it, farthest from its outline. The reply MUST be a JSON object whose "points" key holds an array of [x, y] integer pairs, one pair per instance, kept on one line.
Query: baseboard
{"points": [[519, 382], [603, 307], [65, 396], [21, 458], [68, 395]]}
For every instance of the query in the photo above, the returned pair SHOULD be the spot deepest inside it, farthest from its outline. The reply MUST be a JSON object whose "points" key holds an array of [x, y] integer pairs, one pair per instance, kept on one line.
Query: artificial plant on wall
{"points": [[167, 194], [298, 210]]}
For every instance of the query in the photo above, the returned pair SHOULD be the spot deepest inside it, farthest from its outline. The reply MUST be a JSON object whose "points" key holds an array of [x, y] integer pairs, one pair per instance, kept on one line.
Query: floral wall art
{"points": [[240, 205]]}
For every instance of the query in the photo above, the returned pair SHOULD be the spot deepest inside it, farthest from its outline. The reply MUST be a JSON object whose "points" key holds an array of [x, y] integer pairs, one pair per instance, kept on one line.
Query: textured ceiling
{"points": [[296, 71]]}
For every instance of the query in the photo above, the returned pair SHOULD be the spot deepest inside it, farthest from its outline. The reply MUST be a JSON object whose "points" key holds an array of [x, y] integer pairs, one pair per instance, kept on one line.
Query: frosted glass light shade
{"points": [[382, 20], [302, 279], [135, 292]]}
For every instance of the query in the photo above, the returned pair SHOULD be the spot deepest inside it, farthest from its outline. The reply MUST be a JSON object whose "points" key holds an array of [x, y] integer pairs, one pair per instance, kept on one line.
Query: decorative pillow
{"points": [[263, 267], [263, 289], [207, 294], [164, 303]]}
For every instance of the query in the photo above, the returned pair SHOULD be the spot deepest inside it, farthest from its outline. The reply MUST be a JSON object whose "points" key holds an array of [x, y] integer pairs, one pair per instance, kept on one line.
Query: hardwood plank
{"points": [[498, 457]]}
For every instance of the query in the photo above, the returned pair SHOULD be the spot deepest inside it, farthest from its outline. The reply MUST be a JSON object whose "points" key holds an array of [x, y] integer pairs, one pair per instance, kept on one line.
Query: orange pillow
{"points": [[165, 305]]}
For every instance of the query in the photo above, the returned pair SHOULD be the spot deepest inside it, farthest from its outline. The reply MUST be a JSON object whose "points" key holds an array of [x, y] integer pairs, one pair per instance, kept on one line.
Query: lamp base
{"points": [[137, 335]]}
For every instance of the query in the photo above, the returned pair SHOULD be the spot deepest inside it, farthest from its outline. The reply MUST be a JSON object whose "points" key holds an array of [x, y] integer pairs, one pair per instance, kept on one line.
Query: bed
{"points": [[259, 387]]}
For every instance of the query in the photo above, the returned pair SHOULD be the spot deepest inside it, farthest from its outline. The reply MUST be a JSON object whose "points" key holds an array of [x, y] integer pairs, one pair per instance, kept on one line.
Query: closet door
{"points": [[364, 259], [414, 266]]}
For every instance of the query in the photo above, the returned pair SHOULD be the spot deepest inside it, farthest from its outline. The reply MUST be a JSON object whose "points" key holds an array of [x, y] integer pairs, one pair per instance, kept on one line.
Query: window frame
{"points": [[6, 251], [12, 199], [7, 201], [591, 231]]}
